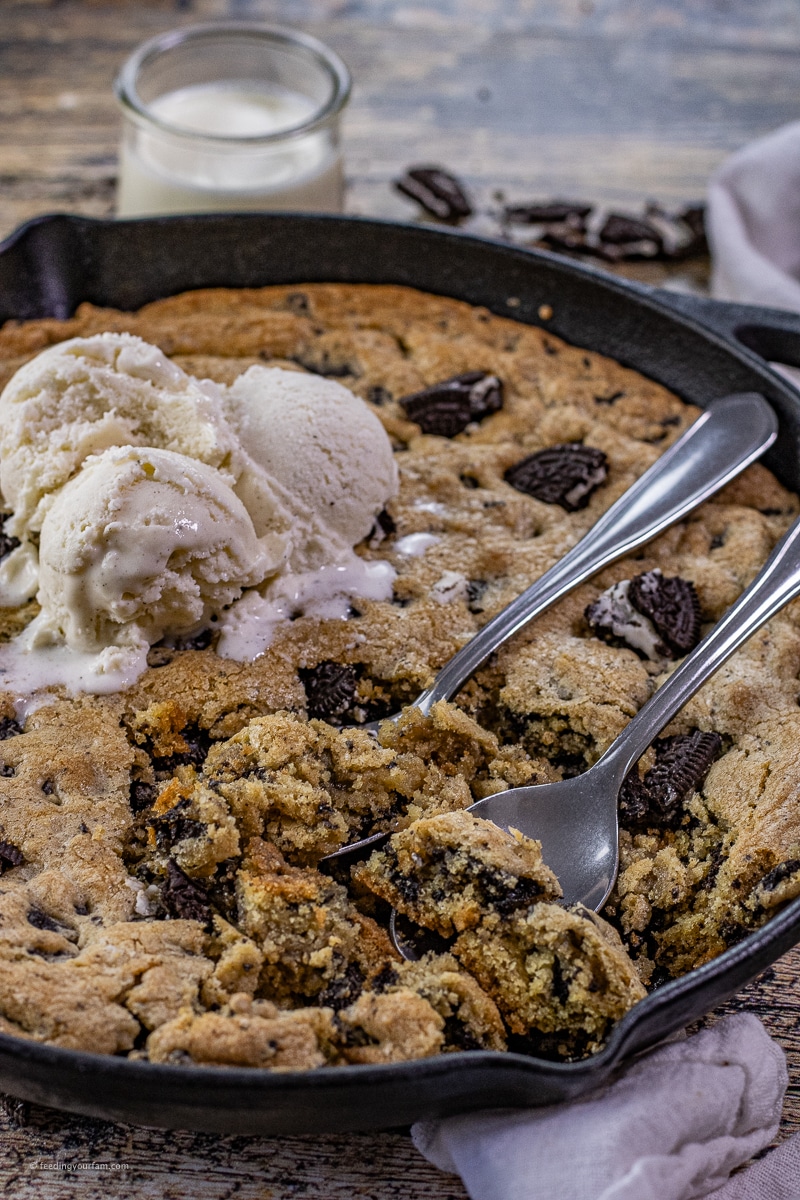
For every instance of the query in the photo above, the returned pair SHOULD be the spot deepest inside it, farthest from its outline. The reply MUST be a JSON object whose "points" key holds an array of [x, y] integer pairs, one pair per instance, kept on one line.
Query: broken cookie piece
{"points": [[447, 872], [310, 933], [245, 1033], [554, 971]]}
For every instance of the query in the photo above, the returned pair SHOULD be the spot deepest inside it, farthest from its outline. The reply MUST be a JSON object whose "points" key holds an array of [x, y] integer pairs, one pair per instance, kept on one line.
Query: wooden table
{"points": [[616, 101]]}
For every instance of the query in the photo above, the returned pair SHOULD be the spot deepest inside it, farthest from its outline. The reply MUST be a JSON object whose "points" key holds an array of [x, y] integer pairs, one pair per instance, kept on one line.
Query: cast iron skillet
{"points": [[698, 348]]}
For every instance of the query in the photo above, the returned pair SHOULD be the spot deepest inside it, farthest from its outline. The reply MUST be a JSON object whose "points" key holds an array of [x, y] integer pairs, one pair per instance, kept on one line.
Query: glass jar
{"points": [[231, 117]]}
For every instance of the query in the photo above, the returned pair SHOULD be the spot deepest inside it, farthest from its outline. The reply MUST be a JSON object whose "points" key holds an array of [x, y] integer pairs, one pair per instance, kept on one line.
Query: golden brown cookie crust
{"points": [[159, 889]]}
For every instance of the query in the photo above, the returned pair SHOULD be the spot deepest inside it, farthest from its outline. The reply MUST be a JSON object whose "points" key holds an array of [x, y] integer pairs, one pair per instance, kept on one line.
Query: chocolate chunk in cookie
{"points": [[173, 826], [682, 763], [565, 475], [10, 856], [9, 728], [330, 688], [447, 408], [437, 191], [778, 886], [673, 607], [183, 897], [142, 795]]}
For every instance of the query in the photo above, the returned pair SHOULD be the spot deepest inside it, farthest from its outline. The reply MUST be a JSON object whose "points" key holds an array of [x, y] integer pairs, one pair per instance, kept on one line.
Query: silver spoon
{"points": [[731, 434], [576, 819]]}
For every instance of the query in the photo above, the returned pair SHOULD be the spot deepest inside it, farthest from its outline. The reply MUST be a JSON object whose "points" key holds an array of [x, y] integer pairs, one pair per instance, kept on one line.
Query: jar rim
{"points": [[127, 94]]}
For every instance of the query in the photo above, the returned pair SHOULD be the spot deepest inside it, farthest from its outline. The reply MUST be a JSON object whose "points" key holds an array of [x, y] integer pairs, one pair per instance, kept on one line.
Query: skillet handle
{"points": [[772, 333]]}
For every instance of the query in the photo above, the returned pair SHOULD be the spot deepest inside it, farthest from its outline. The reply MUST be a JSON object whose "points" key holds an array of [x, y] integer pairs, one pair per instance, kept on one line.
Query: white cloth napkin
{"points": [[753, 221], [753, 226], [672, 1126]]}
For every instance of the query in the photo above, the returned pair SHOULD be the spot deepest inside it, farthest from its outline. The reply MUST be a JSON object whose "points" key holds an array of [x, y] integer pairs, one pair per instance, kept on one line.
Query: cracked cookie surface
{"points": [[159, 885]]}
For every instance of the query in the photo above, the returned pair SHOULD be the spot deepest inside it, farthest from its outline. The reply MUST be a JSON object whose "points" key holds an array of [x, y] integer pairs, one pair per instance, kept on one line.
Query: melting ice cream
{"points": [[149, 504]]}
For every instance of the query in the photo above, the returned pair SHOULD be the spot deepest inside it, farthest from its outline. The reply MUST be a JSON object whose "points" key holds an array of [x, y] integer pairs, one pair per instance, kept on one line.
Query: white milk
{"points": [[162, 172]]}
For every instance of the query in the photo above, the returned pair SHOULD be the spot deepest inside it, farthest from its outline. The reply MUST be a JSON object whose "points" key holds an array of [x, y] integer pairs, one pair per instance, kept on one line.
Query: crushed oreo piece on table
{"points": [[565, 475], [447, 408], [183, 898], [682, 763], [580, 228], [10, 856], [437, 191], [330, 688], [657, 617]]}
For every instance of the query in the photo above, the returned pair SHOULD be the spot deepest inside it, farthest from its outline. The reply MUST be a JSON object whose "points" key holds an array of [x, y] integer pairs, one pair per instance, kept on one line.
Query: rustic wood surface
{"points": [[617, 101]]}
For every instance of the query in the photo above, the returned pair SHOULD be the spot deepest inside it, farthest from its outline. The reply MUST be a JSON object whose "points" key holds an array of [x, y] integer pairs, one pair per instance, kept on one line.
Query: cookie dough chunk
{"points": [[393, 1027], [310, 933], [302, 784], [553, 971], [448, 872], [246, 1033], [471, 1018]]}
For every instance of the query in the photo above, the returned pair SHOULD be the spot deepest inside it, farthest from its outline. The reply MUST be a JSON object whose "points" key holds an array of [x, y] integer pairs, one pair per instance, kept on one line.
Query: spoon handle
{"points": [[732, 433], [777, 583]]}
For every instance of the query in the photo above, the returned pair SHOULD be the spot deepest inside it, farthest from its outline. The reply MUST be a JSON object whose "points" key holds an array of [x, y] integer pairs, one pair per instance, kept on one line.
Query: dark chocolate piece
{"points": [[447, 408], [437, 191], [184, 898], [565, 475], [330, 688], [9, 728], [672, 606]]}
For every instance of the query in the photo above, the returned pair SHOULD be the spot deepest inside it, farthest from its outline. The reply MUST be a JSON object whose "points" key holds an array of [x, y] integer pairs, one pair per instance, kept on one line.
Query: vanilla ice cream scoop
{"points": [[143, 543], [81, 396], [321, 442]]}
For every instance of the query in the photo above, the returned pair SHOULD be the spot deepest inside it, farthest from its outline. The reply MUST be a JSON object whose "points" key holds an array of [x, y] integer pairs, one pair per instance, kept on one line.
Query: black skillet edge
{"points": [[699, 348]]}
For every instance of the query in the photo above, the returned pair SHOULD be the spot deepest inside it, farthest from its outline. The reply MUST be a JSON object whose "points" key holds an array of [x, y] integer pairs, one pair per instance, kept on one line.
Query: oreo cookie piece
{"points": [[10, 856], [618, 229], [657, 617], [565, 475], [447, 408], [7, 543], [330, 688], [552, 212], [437, 191], [183, 897], [682, 763], [673, 607]]}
